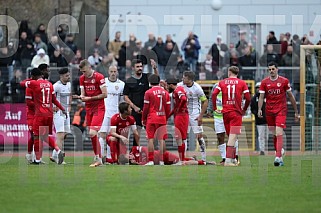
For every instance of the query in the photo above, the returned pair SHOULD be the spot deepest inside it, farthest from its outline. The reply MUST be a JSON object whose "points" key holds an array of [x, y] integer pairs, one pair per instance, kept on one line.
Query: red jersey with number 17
{"points": [[232, 90], [92, 87], [157, 105], [43, 93], [179, 94], [275, 94]]}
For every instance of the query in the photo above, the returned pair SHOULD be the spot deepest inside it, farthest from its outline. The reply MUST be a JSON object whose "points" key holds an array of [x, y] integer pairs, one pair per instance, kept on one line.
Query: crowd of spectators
{"points": [[60, 50]]}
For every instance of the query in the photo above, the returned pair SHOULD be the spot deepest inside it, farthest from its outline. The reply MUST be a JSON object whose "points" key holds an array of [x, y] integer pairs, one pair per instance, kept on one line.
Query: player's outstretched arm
{"points": [[260, 104]]}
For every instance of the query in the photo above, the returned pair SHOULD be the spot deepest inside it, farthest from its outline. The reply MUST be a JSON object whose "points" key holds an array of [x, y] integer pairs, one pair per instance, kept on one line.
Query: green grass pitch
{"points": [[255, 186]]}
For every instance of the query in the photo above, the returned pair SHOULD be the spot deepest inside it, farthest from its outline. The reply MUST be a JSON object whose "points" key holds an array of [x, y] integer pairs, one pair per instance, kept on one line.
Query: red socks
{"points": [[275, 142], [96, 145], [30, 143], [150, 156], [279, 145], [181, 152], [53, 144]]}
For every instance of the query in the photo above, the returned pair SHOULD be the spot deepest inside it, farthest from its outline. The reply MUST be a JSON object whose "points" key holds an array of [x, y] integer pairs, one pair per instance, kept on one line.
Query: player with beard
{"points": [[180, 113], [120, 125], [135, 88]]}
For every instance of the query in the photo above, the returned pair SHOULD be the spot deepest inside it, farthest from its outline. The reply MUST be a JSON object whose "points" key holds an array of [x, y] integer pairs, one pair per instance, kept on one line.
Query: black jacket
{"points": [[254, 109]]}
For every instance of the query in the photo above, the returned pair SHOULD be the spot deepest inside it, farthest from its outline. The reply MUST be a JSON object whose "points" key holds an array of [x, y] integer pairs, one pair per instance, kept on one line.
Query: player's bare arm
{"points": [[120, 137], [154, 66], [204, 102], [260, 104], [293, 102]]}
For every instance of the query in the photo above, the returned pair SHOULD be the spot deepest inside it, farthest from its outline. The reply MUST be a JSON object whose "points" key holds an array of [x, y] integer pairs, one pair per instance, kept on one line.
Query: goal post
{"points": [[303, 97]]}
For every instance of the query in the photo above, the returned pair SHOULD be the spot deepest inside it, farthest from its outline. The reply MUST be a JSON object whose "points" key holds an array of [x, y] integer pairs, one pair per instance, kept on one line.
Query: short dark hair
{"points": [[234, 69], [189, 74], [63, 71], [154, 79], [35, 72], [136, 61], [84, 63], [173, 81], [42, 67], [272, 32], [123, 107], [272, 63]]}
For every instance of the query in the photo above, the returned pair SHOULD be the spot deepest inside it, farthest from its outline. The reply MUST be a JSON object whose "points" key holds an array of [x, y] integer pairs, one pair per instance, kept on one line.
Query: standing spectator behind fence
{"points": [[114, 45], [191, 47], [271, 39], [38, 43], [58, 60], [25, 28], [53, 45], [242, 43], [159, 49], [40, 58], [218, 50], [170, 60], [21, 46], [41, 30], [97, 46], [269, 56], [261, 125], [27, 55], [17, 93], [248, 59], [6, 61]]}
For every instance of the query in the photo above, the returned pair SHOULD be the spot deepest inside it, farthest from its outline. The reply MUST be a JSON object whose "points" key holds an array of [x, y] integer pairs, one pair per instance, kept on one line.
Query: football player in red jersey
{"points": [[155, 113], [93, 91], [275, 88], [43, 98], [120, 126], [180, 113], [233, 90]]}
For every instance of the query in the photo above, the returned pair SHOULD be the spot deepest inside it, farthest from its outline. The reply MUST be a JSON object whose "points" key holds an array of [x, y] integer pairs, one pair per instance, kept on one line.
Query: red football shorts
{"points": [[157, 131], [42, 125], [181, 126], [94, 118], [276, 120], [232, 122]]}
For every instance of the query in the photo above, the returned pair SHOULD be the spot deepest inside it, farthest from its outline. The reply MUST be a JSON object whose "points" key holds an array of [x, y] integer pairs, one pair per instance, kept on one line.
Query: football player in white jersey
{"points": [[62, 89], [115, 96], [197, 106]]}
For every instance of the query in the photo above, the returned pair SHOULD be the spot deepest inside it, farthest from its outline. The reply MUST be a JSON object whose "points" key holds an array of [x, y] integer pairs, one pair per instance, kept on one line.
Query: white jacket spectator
{"points": [[40, 58]]}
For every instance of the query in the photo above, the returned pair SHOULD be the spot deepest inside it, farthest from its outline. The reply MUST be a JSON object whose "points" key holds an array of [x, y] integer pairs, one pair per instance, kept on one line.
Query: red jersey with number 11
{"points": [[232, 90]]}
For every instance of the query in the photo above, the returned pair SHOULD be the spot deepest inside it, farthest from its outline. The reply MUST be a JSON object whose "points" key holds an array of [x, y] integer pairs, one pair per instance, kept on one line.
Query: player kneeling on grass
{"points": [[120, 126]]}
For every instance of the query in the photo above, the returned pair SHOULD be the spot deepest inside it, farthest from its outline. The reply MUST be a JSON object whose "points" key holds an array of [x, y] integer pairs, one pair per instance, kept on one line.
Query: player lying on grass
{"points": [[139, 156]]}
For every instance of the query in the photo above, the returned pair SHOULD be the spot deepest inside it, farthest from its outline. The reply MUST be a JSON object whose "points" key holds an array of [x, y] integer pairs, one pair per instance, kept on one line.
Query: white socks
{"points": [[222, 149], [237, 147], [102, 145]]}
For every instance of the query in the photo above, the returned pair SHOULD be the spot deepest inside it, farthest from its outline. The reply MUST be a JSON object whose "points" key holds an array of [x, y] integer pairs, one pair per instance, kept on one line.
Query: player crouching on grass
{"points": [[120, 126]]}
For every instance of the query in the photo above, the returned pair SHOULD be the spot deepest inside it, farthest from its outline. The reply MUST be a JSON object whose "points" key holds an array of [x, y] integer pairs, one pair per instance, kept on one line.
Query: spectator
{"points": [[106, 62], [3, 87], [77, 58], [115, 45], [97, 47], [169, 39], [71, 44], [170, 59], [218, 50], [27, 55], [126, 72], [25, 28], [290, 59], [296, 42], [242, 43], [260, 122], [271, 39], [53, 45], [58, 60], [210, 67], [38, 43], [248, 59], [180, 68], [191, 47], [17, 92], [6, 61], [95, 58], [284, 44], [41, 30], [288, 37], [21, 46], [124, 54], [159, 49], [61, 33], [40, 58], [151, 42], [269, 56]]}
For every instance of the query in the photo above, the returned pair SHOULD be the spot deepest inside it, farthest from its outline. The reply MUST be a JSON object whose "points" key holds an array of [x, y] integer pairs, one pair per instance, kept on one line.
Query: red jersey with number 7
{"points": [[157, 105], [232, 90]]}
